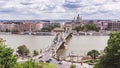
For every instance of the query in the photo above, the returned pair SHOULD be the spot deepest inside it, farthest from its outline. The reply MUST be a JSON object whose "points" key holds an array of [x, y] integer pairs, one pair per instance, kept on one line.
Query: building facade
{"points": [[114, 26]]}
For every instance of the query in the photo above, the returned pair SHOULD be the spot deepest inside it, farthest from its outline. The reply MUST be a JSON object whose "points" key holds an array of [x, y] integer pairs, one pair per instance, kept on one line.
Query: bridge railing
{"points": [[55, 45]]}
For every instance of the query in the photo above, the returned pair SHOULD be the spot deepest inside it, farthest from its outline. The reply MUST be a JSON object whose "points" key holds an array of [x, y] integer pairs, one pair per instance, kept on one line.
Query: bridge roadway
{"points": [[56, 44]]}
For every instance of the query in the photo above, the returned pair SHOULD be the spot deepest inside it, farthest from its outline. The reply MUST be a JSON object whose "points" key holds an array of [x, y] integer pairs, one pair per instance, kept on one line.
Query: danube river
{"points": [[79, 45]]}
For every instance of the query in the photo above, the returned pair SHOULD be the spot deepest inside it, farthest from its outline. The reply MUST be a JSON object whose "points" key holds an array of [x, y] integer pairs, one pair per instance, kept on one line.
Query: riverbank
{"points": [[28, 33], [90, 33]]}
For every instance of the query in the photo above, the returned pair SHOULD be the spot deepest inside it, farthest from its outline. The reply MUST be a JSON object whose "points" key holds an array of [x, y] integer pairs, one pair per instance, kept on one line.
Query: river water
{"points": [[79, 45]]}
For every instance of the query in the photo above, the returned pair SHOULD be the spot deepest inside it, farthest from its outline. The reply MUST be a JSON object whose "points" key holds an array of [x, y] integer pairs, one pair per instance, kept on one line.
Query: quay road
{"points": [[64, 64], [68, 64]]}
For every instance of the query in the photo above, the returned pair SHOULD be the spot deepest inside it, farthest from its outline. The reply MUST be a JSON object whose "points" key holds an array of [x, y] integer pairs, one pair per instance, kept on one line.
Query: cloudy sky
{"points": [[59, 9]]}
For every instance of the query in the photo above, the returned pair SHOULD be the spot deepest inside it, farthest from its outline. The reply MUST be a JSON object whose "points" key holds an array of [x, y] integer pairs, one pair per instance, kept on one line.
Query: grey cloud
{"points": [[26, 3], [91, 13], [49, 7], [72, 5], [96, 4], [73, 1], [115, 0], [8, 10], [102, 11], [4, 0]]}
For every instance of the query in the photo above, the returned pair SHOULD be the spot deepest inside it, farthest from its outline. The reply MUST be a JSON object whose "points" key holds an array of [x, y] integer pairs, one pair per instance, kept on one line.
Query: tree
{"points": [[45, 29], [35, 53], [111, 57], [52, 26], [73, 66], [23, 51], [93, 54], [78, 28], [7, 59], [87, 27], [49, 28], [90, 27]]}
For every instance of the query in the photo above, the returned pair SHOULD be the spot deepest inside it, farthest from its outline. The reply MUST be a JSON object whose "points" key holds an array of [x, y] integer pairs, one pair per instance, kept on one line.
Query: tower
{"points": [[79, 19], [74, 20]]}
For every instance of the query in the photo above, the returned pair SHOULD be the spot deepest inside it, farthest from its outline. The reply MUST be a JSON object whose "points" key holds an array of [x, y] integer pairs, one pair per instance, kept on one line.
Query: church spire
{"points": [[78, 18], [74, 20]]}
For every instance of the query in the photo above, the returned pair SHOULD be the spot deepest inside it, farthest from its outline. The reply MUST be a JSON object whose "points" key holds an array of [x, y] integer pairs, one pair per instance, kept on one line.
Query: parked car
{"points": [[49, 60], [60, 62], [41, 61], [40, 57]]}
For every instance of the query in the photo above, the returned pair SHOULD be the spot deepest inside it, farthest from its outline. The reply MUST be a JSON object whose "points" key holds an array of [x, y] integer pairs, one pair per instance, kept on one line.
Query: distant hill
{"points": [[34, 20]]}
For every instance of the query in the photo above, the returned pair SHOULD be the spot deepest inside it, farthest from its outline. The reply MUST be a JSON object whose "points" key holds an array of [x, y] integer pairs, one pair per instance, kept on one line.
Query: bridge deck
{"points": [[51, 50]]}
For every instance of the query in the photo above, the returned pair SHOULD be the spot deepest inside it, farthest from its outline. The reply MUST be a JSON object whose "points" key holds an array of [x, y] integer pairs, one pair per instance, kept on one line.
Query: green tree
{"points": [[35, 53], [93, 54], [90, 27], [49, 28], [7, 59], [78, 28], [73, 66], [23, 51], [45, 29], [111, 57]]}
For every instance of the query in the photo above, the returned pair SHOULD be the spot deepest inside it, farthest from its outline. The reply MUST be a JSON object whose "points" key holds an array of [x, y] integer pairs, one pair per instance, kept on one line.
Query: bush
{"points": [[90, 62], [35, 53], [27, 64], [23, 51], [73, 66]]}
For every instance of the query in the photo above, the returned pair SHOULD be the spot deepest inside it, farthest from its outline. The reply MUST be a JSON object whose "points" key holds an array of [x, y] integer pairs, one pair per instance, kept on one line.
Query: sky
{"points": [[59, 9]]}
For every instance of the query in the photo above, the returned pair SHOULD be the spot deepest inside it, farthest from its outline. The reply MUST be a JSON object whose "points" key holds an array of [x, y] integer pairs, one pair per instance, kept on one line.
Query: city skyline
{"points": [[58, 9]]}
